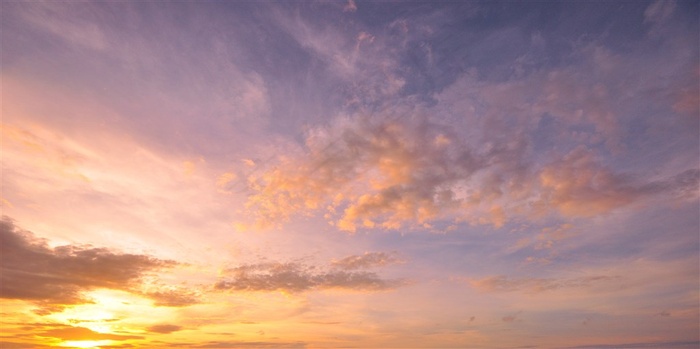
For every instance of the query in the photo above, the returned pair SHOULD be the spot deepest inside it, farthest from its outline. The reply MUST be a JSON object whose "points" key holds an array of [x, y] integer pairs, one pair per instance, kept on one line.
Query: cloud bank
{"points": [[57, 277]]}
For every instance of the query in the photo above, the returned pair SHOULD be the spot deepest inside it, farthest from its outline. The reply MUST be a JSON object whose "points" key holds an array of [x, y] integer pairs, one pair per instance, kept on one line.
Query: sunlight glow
{"points": [[86, 344]]}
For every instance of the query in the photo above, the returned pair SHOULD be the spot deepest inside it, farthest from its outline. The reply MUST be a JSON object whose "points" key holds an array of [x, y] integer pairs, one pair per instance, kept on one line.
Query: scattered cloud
{"points": [[388, 174], [299, 277], [164, 328], [172, 296]]}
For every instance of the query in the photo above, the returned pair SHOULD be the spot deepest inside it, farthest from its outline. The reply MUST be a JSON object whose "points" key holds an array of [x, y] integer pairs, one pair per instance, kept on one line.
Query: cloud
{"points": [[299, 277], [386, 173], [83, 334], [60, 21], [57, 277], [164, 328], [169, 296], [366, 260], [578, 185], [535, 285]]}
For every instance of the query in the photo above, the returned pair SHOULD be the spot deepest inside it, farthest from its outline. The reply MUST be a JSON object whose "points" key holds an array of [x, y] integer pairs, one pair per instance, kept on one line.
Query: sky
{"points": [[328, 174]]}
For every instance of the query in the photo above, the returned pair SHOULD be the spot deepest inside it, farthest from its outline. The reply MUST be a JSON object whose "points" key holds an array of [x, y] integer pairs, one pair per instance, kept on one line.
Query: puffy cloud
{"points": [[388, 174], [366, 260], [56, 277], [164, 328], [299, 277]]}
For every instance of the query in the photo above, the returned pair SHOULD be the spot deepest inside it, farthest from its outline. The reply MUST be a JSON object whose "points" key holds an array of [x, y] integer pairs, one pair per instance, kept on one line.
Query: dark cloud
{"points": [[367, 260], [56, 277], [164, 328], [298, 277]]}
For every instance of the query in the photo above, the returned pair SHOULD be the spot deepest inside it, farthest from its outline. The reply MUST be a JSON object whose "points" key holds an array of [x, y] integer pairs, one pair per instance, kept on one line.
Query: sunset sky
{"points": [[325, 174]]}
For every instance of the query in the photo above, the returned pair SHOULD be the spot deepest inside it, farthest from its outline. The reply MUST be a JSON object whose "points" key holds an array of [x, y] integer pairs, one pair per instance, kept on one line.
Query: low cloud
{"points": [[299, 277], [164, 328], [57, 277], [83, 334]]}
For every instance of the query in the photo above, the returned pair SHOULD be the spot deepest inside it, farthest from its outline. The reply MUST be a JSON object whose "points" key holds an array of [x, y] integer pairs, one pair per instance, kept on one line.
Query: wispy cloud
{"points": [[300, 277]]}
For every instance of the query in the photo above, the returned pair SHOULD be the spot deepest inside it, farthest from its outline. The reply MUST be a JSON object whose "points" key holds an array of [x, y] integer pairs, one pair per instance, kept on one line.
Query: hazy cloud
{"points": [[535, 285]]}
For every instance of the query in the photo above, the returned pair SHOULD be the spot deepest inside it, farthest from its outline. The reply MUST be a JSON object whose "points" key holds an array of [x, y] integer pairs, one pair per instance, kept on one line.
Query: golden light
{"points": [[86, 344]]}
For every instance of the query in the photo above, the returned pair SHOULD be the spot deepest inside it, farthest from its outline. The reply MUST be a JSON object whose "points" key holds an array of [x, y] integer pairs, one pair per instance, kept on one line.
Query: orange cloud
{"points": [[366, 260], [579, 186], [299, 277], [535, 285]]}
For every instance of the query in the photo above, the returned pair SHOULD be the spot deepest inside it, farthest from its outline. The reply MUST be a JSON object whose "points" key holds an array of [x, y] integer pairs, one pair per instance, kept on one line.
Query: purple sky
{"points": [[323, 174]]}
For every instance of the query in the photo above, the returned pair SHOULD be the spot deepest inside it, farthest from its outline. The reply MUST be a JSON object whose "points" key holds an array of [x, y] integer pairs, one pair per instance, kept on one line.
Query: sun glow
{"points": [[86, 344]]}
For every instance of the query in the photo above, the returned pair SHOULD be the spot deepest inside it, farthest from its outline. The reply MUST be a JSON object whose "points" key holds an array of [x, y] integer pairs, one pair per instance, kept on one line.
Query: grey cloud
{"points": [[54, 278], [298, 277]]}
